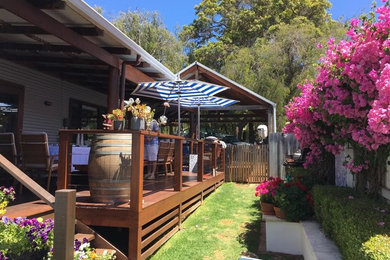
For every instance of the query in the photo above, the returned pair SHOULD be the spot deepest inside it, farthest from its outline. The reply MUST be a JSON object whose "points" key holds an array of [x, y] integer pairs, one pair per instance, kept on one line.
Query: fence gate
{"points": [[247, 163]]}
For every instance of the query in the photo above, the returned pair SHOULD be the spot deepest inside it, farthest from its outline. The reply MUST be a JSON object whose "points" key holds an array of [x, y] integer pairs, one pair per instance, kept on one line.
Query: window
{"points": [[83, 115]]}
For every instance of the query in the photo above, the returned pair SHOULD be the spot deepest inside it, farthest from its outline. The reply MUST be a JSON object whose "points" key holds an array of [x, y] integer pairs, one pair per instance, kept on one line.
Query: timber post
{"points": [[200, 160], [136, 195], [64, 224], [214, 158], [178, 164], [64, 161]]}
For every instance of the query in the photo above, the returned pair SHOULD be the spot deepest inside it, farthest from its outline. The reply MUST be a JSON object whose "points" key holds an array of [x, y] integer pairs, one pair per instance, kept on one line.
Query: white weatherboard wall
{"points": [[39, 88]]}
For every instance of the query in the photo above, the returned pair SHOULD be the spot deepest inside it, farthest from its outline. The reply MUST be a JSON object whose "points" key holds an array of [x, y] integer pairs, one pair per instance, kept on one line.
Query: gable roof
{"points": [[235, 91]]}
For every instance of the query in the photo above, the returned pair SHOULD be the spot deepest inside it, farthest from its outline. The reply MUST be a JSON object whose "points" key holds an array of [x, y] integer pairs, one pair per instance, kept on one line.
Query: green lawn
{"points": [[225, 226]]}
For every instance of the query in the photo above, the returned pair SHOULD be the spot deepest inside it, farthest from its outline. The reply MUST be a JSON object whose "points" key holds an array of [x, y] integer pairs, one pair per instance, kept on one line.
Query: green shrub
{"points": [[377, 247], [303, 175], [351, 220]]}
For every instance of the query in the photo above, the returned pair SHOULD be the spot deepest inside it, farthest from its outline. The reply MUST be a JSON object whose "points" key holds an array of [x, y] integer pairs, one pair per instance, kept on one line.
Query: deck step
{"points": [[33, 209], [80, 237], [100, 251]]}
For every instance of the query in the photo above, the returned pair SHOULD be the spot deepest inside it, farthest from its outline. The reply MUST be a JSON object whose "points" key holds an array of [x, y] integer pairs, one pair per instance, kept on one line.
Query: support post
{"points": [[214, 158], [223, 159], [113, 92], [136, 195], [178, 164], [200, 160], [123, 85], [64, 224], [64, 161]]}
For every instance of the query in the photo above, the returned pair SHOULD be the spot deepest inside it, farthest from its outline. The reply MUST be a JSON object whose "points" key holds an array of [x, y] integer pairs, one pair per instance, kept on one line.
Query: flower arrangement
{"points": [[83, 250], [163, 119], [6, 195], [267, 188], [117, 114], [139, 110]]}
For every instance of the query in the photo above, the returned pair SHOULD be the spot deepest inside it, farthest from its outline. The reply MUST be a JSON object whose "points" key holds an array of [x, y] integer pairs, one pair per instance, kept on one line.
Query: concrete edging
{"points": [[299, 238]]}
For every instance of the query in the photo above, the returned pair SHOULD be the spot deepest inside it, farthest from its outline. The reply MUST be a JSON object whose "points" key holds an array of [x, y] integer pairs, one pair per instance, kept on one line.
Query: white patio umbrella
{"points": [[205, 102], [176, 90]]}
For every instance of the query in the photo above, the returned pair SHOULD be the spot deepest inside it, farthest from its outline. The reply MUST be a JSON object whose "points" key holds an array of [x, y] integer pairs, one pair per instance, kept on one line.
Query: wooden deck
{"points": [[157, 207]]}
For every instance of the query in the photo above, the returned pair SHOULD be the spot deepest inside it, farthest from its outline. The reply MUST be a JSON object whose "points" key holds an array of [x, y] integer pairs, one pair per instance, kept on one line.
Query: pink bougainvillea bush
{"points": [[349, 102]]}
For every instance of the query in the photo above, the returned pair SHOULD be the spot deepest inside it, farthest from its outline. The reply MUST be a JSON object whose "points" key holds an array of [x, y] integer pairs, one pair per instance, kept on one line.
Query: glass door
{"points": [[11, 107]]}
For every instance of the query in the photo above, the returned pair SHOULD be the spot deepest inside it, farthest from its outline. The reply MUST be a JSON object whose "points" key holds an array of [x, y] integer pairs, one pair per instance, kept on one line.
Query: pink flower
{"points": [[381, 223]]}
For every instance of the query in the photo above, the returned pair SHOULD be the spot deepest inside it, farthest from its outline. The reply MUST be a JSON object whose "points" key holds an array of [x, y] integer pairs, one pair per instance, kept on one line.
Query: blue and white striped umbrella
{"points": [[209, 102], [171, 90], [176, 90]]}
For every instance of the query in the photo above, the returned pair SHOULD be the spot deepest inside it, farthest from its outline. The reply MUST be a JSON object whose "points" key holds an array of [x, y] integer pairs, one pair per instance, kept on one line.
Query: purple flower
{"points": [[351, 197], [77, 245], [381, 223]]}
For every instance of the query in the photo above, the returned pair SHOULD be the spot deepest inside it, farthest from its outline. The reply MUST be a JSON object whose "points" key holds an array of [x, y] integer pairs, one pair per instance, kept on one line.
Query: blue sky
{"points": [[181, 12]]}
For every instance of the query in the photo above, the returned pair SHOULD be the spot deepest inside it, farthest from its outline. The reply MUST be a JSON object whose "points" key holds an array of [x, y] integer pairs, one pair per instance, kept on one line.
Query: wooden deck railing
{"points": [[137, 159]]}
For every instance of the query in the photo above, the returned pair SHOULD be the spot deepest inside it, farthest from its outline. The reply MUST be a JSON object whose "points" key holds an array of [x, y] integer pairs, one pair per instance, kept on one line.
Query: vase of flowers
{"points": [[117, 118], [266, 190], [141, 114]]}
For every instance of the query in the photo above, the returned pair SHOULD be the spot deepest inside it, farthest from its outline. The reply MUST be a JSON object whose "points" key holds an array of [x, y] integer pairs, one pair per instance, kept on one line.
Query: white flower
{"points": [[148, 109], [163, 120], [82, 246], [137, 101]]}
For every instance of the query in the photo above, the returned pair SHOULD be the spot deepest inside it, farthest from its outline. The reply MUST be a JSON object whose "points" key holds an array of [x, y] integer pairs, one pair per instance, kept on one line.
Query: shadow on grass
{"points": [[251, 235]]}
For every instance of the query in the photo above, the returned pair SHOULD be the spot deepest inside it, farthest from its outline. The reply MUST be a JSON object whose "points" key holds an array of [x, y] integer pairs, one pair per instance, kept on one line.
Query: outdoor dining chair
{"points": [[35, 154], [8, 147], [165, 155]]}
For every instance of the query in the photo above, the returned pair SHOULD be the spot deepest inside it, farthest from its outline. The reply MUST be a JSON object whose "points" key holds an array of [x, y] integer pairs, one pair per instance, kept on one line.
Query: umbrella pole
{"points": [[178, 111], [198, 122]]}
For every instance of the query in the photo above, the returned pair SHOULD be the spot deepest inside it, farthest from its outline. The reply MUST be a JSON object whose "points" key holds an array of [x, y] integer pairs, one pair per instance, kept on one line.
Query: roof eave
{"points": [[94, 17]]}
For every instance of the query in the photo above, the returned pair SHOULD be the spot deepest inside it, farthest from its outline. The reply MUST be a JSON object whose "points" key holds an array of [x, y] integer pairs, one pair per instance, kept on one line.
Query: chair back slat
{"points": [[35, 150], [163, 151], [8, 147]]}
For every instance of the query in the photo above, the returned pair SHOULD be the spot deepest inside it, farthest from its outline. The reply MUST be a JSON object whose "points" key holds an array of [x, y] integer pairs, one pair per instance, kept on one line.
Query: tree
{"points": [[274, 65], [148, 31], [221, 26], [349, 102]]}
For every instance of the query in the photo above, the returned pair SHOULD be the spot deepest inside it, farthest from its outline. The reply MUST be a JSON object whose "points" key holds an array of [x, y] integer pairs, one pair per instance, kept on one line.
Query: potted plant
{"points": [[118, 118], [140, 114], [293, 201], [266, 190]]}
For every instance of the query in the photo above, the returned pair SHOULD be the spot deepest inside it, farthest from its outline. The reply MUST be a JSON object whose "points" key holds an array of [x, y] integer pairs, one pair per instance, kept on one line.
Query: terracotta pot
{"points": [[280, 213], [267, 208]]}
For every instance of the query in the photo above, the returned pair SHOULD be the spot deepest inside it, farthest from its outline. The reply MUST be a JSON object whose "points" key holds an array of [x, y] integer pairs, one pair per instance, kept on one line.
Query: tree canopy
{"points": [[238, 23], [268, 46], [148, 31]]}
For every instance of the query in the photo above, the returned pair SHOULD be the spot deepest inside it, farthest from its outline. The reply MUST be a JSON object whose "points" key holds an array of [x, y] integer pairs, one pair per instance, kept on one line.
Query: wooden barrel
{"points": [[110, 167]]}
